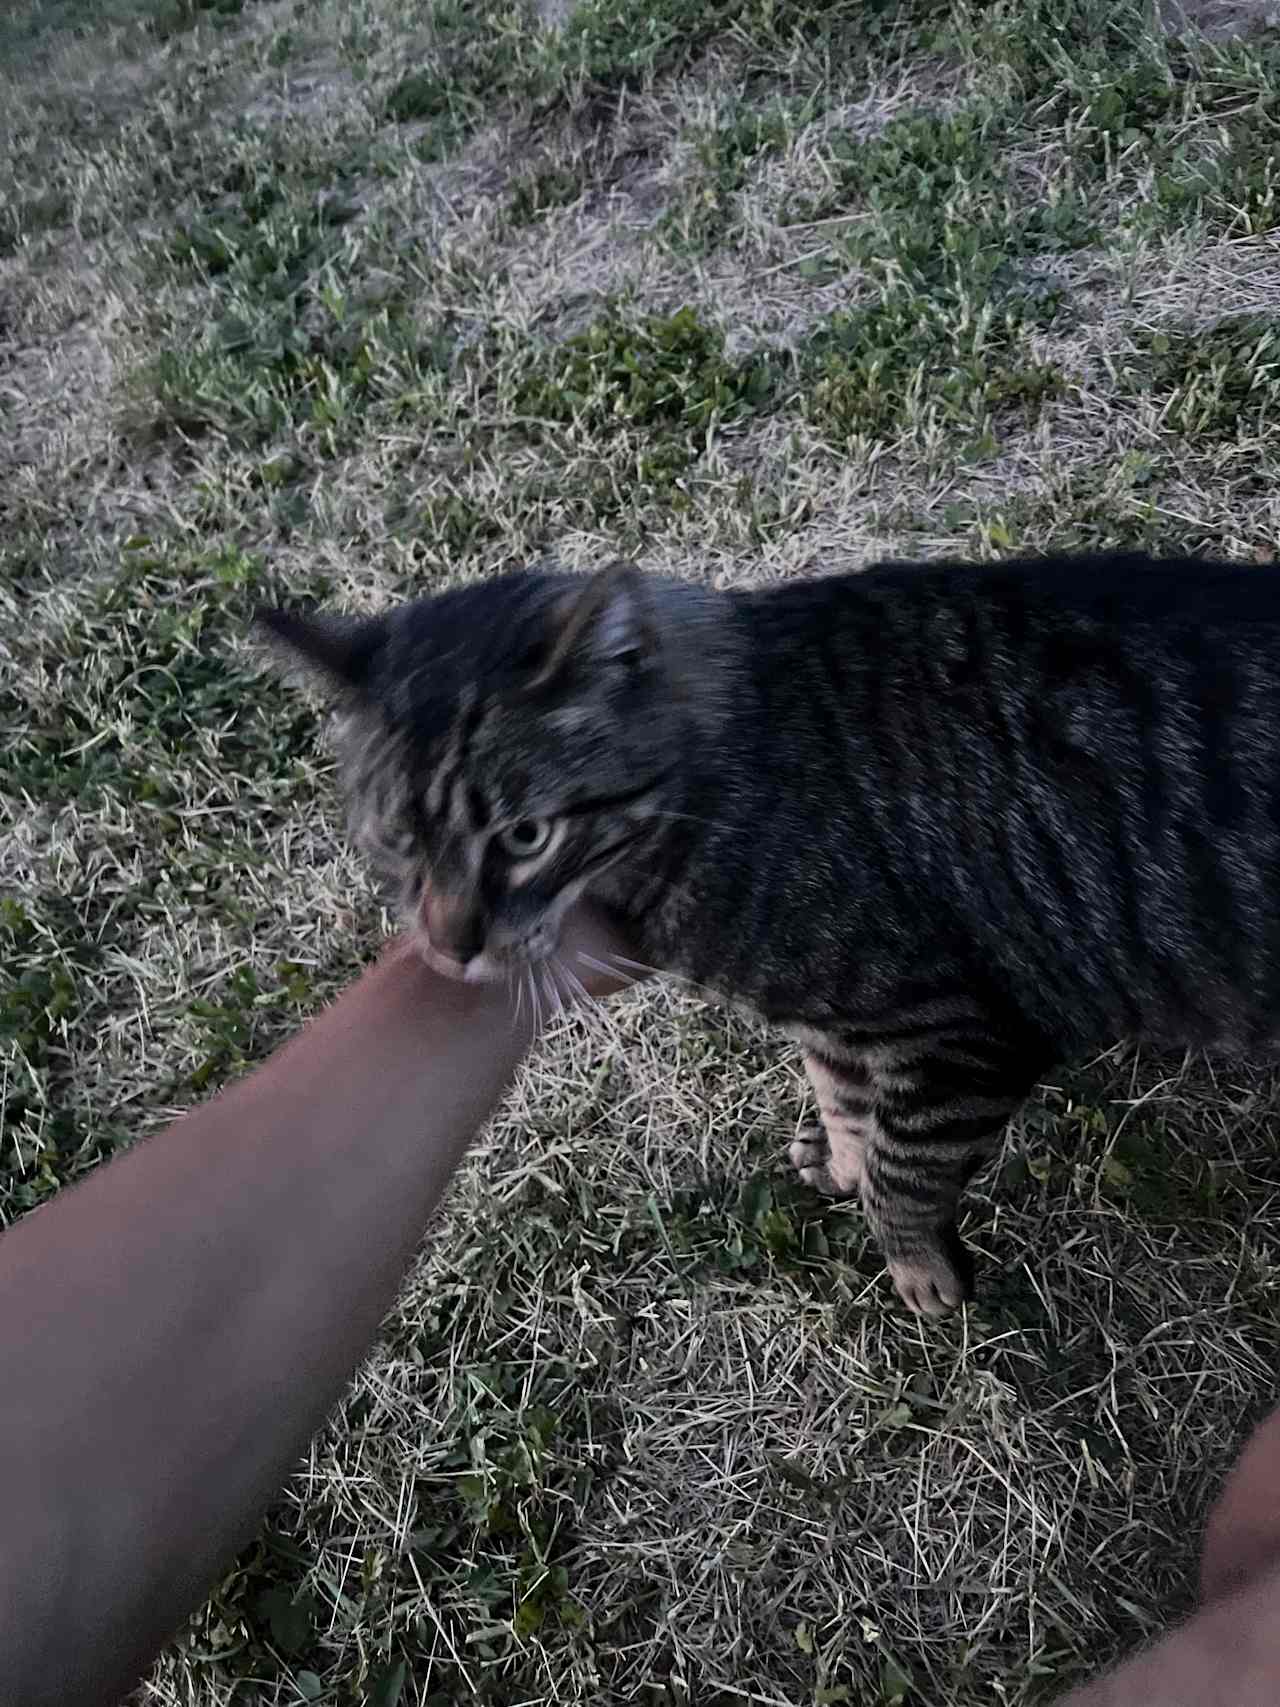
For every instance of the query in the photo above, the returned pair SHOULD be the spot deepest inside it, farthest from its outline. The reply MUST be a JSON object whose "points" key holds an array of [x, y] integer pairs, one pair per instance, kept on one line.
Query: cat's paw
{"points": [[934, 1282], [810, 1155]]}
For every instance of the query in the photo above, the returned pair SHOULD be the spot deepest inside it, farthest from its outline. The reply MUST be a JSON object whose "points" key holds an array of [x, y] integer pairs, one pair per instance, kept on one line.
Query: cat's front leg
{"points": [[927, 1260], [906, 1125], [941, 1106], [829, 1155]]}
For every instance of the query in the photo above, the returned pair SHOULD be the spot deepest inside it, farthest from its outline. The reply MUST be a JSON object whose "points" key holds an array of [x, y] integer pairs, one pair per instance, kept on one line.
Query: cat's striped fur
{"points": [[942, 823]]}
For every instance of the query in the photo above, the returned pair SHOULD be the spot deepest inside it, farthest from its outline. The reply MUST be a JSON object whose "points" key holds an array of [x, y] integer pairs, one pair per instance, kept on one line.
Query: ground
{"points": [[351, 300]]}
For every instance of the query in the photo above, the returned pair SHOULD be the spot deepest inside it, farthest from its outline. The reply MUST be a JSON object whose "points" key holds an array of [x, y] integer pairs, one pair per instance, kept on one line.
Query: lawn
{"points": [[353, 300]]}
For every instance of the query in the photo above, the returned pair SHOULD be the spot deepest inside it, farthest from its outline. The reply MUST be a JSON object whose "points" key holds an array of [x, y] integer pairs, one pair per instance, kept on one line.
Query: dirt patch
{"points": [[49, 391]]}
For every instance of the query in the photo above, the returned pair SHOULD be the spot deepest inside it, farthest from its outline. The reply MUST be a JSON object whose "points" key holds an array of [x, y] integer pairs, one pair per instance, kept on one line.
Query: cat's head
{"points": [[506, 745]]}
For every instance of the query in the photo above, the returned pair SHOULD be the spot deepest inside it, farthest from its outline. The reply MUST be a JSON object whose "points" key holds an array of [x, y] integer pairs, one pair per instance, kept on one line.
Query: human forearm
{"points": [[173, 1331], [1227, 1655], [1228, 1652]]}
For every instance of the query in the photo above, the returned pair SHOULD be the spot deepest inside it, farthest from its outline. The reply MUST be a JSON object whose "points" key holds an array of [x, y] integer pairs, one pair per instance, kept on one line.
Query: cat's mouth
{"points": [[453, 946], [448, 937], [480, 969], [475, 949]]}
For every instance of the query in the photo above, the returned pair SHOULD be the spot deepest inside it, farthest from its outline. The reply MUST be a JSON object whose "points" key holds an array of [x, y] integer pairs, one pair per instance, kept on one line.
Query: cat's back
{"points": [[1015, 648], [1075, 760], [1114, 592]]}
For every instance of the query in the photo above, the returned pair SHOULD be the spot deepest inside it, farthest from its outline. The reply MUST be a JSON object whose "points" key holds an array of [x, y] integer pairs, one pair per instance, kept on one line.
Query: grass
{"points": [[1211, 382], [348, 301]]}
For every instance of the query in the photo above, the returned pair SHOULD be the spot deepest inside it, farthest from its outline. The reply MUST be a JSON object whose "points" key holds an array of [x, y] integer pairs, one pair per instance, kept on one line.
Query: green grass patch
{"points": [[1056, 51], [1225, 172], [130, 717], [915, 362], [1216, 382], [301, 344], [616, 44], [478, 55], [662, 371], [935, 220], [930, 192], [662, 382], [146, 645], [765, 1223], [726, 155], [1180, 130], [304, 328], [608, 46], [1202, 128], [1116, 506]]}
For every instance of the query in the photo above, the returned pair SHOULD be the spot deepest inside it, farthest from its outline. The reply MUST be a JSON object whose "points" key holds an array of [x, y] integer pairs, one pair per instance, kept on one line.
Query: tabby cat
{"points": [[943, 824]]}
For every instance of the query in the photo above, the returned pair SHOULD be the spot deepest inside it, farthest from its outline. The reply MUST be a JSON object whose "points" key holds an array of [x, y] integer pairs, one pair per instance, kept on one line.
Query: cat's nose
{"points": [[454, 927]]}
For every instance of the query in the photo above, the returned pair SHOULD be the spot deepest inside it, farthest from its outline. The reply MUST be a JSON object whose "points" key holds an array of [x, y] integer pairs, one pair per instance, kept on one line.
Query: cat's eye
{"points": [[526, 838]]}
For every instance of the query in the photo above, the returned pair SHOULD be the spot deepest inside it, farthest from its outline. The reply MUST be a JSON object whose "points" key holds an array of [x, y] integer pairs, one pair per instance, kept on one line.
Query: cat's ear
{"points": [[338, 649], [606, 621]]}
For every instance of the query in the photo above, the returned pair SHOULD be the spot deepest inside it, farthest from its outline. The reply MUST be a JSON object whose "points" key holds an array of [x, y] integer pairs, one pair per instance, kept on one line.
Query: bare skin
{"points": [[1242, 1536], [1227, 1654], [173, 1330]]}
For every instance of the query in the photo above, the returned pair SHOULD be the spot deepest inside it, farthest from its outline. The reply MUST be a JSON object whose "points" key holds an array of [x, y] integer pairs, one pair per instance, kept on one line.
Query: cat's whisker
{"points": [[646, 970], [602, 966], [550, 995], [575, 984], [556, 970], [637, 965], [594, 1010]]}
